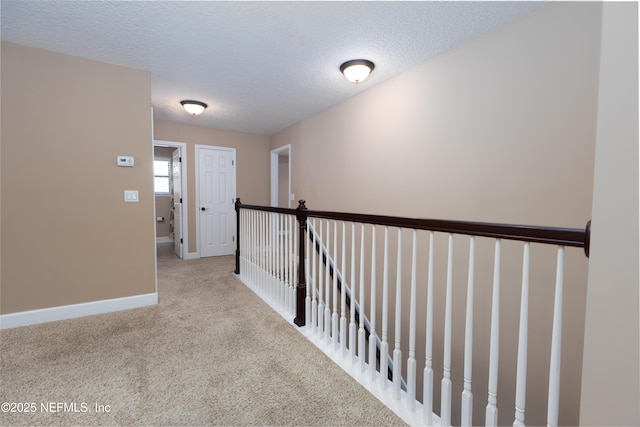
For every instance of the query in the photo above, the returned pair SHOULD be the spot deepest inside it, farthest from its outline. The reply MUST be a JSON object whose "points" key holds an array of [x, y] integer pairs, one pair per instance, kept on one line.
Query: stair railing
{"points": [[268, 260], [350, 302]]}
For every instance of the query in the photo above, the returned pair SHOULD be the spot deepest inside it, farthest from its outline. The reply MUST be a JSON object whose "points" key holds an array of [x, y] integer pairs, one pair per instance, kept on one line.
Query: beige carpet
{"points": [[211, 353]]}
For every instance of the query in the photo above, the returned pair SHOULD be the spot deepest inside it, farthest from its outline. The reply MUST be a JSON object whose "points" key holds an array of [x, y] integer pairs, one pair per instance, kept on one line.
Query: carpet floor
{"points": [[210, 353]]}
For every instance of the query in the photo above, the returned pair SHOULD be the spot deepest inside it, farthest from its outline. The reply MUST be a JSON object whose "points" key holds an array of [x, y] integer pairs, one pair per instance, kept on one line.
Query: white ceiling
{"points": [[260, 65]]}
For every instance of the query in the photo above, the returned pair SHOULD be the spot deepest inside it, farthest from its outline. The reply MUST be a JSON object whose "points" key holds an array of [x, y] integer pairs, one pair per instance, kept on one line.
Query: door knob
{"points": [[203, 209]]}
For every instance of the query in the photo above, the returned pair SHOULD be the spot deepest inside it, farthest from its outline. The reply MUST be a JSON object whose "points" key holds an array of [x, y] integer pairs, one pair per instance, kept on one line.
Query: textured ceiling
{"points": [[260, 66]]}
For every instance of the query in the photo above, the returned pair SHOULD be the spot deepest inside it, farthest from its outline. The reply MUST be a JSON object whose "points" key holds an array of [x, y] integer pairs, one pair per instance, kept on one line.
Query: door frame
{"points": [[197, 173], [184, 225], [275, 153]]}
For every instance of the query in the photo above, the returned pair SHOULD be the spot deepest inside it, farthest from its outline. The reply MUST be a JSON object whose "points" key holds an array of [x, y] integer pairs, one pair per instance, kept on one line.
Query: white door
{"points": [[176, 172], [216, 196]]}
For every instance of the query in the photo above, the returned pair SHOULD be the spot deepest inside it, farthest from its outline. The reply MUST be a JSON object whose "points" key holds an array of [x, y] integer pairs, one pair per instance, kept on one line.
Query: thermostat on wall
{"points": [[125, 161]]}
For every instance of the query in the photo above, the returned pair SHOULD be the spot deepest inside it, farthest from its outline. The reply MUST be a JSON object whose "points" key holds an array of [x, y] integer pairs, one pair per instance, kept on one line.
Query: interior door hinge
{"points": [[179, 159], [181, 241], [233, 162], [233, 238]]}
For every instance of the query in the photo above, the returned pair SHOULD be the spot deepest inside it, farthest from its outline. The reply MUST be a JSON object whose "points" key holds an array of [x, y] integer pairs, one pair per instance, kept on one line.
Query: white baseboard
{"points": [[164, 239], [191, 255], [33, 317]]}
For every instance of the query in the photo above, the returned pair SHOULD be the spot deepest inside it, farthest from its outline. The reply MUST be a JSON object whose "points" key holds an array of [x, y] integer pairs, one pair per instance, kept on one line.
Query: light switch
{"points": [[130, 195]]}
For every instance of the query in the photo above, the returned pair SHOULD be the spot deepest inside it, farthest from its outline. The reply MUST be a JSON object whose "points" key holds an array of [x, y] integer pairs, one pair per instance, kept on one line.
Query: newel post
{"points": [[237, 206], [301, 290]]}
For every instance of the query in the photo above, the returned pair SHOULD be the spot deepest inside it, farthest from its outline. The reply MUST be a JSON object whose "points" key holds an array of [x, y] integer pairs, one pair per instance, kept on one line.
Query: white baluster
{"points": [[327, 283], [247, 235], [427, 400], [252, 249], [283, 237], [397, 353], [466, 418], [334, 315], [343, 296], [245, 247], [445, 403], [266, 253], [411, 362], [320, 285], [372, 309], [254, 244], [384, 345], [280, 261], [314, 300], [250, 242], [277, 256], [352, 301], [280, 265], [260, 253], [285, 261], [273, 223], [277, 235], [556, 344], [361, 331], [491, 418], [521, 376], [310, 283], [272, 255], [290, 265]]}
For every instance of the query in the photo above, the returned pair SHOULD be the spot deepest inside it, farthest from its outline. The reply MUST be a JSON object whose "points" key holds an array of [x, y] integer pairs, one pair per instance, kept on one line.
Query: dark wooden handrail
{"points": [[536, 234]]}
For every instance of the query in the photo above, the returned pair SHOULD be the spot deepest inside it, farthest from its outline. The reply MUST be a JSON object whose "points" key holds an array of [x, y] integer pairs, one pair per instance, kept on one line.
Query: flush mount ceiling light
{"points": [[193, 107], [357, 70]]}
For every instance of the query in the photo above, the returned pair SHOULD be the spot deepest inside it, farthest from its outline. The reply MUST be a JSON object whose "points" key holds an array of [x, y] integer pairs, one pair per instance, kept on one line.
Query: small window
{"points": [[162, 176]]}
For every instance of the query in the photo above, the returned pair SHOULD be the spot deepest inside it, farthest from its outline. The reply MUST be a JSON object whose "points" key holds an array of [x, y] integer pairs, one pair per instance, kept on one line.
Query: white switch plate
{"points": [[130, 195], [293, 196]]}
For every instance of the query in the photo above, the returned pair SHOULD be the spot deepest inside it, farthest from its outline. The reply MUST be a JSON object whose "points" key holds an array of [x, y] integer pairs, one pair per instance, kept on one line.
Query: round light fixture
{"points": [[357, 70], [193, 107]]}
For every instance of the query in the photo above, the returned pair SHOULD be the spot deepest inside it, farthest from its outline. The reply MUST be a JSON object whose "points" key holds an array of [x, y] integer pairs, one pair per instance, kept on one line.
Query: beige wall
{"points": [[252, 157], [501, 129], [611, 371], [67, 235]]}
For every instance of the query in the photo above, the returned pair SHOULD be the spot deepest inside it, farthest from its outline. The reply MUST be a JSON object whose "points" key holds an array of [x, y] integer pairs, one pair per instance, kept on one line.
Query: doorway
{"points": [[216, 194], [170, 166], [281, 195]]}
